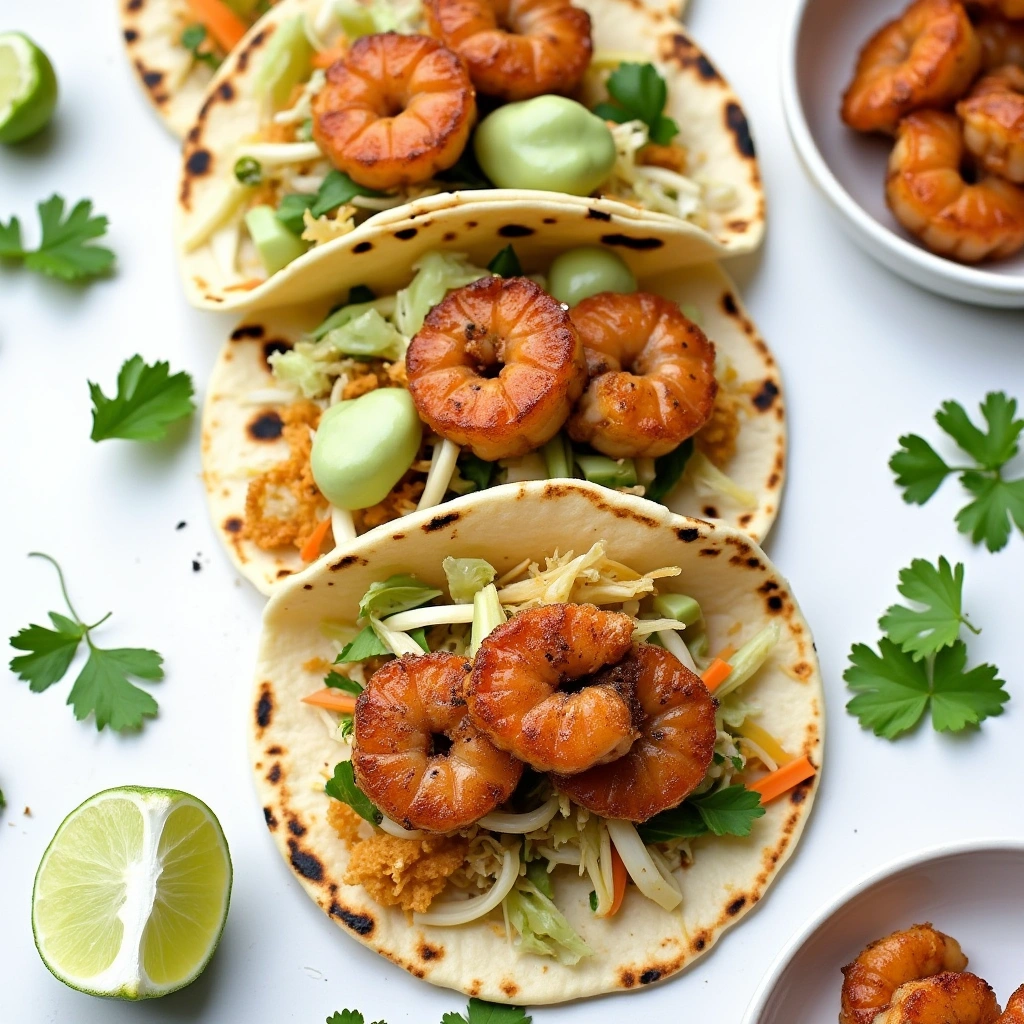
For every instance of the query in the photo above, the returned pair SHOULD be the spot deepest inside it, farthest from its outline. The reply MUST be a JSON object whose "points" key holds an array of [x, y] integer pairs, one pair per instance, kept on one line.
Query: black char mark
{"points": [[361, 924], [268, 426], [440, 522], [767, 394], [515, 231], [305, 863], [628, 242], [244, 331], [736, 121]]}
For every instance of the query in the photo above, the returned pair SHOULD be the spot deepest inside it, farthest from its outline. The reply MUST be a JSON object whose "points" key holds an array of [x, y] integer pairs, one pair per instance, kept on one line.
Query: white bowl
{"points": [[821, 48], [973, 891]]}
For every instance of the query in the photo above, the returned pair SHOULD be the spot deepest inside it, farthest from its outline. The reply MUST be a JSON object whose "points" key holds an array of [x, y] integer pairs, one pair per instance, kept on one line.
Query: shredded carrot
{"points": [[727, 652], [311, 549], [332, 699], [325, 58], [618, 882], [783, 779], [766, 741], [245, 286], [716, 673], [226, 27]]}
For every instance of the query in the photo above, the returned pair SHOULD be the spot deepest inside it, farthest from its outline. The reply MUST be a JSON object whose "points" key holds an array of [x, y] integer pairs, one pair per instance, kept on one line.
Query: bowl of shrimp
{"points": [[910, 121], [933, 937]]}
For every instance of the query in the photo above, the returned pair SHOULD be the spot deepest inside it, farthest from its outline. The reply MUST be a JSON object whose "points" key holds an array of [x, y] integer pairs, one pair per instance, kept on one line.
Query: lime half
{"points": [[28, 87], [132, 893]]}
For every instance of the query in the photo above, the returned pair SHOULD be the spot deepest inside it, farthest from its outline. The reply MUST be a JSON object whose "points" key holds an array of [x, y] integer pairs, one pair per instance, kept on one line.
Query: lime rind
{"points": [[148, 901], [28, 88]]}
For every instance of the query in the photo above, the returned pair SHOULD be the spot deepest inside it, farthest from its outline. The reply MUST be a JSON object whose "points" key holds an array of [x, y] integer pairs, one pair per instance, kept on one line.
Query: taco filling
{"points": [[567, 717], [365, 108], [467, 379]]}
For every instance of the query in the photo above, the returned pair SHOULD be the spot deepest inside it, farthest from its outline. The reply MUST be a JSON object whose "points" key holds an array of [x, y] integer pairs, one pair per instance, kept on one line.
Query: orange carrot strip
{"points": [[783, 779], [618, 882], [727, 652], [332, 700], [311, 549], [226, 27], [325, 58], [716, 673], [245, 286]]}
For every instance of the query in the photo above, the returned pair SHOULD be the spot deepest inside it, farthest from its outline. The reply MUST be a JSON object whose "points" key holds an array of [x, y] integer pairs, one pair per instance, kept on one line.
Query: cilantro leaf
{"points": [[479, 1012], [65, 248], [725, 812], [51, 651], [667, 471], [593, 900], [339, 682], [537, 872], [192, 39], [473, 468], [962, 698], [148, 400], [989, 449], [343, 787], [682, 822], [988, 517], [940, 589], [365, 644], [506, 263], [347, 1017], [10, 240], [639, 94], [336, 190], [3, 800], [919, 469]]}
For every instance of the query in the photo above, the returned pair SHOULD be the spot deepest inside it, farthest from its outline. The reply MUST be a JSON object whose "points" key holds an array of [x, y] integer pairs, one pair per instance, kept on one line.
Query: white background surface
{"points": [[865, 358]]}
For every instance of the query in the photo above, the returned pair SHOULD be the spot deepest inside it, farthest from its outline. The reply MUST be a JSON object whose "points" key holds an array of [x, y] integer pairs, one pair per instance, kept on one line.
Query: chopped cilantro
{"points": [[339, 682], [343, 787], [192, 39], [479, 1012], [506, 263], [148, 400], [639, 93], [724, 812]]}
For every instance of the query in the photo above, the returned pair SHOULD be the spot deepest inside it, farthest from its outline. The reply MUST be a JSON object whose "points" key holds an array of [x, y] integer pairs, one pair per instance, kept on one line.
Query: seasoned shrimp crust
{"points": [[947, 998], [1014, 1012], [516, 49], [870, 982], [927, 57], [417, 755], [652, 375], [1002, 42], [993, 117], [496, 367], [672, 754], [546, 686], [929, 196], [395, 110], [1013, 9]]}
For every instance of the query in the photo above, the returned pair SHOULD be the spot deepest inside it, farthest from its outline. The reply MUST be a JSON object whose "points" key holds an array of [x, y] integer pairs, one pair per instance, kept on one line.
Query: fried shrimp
{"points": [[1014, 1012], [993, 116], [926, 57], [394, 111], [928, 194], [947, 998], [1013, 9], [416, 753], [652, 375], [547, 686], [496, 367], [1002, 42], [516, 49], [673, 752], [870, 982]]}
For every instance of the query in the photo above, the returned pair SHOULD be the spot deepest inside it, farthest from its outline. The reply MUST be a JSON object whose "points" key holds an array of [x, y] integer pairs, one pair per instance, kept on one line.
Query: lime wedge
{"points": [[28, 87], [132, 893]]}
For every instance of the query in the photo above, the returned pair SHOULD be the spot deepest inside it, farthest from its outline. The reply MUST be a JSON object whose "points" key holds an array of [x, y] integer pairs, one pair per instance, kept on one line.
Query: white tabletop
{"points": [[865, 357]]}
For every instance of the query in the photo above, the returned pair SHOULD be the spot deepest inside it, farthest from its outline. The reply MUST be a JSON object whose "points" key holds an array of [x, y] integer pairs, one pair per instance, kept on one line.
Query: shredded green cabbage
{"points": [[541, 927], [286, 61], [397, 593], [466, 576], [704, 473], [298, 368], [380, 16], [437, 273], [369, 334]]}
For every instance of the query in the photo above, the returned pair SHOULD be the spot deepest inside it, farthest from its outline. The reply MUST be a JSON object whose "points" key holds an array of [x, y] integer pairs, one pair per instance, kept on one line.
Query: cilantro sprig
{"points": [[148, 400], [192, 39], [725, 812], [66, 248], [343, 786], [921, 661], [997, 503], [639, 93], [102, 687], [477, 1012]]}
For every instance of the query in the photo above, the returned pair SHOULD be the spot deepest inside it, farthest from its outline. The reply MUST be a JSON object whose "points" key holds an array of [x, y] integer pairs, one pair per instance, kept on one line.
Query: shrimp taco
{"points": [[547, 743], [405, 388], [337, 128]]}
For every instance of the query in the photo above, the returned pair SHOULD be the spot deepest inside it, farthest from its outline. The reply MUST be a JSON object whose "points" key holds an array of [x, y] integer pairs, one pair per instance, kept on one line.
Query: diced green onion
{"points": [[466, 576], [678, 606], [248, 171], [558, 457], [487, 616], [599, 469]]}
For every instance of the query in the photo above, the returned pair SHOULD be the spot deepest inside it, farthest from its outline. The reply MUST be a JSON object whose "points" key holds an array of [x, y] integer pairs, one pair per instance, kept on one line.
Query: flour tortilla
{"points": [[711, 121], [292, 750], [236, 445]]}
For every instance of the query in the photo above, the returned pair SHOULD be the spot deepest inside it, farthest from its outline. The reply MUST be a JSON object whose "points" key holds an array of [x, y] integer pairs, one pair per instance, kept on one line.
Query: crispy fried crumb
{"points": [[397, 872], [361, 385], [317, 665], [400, 502], [672, 157], [717, 438], [288, 488]]}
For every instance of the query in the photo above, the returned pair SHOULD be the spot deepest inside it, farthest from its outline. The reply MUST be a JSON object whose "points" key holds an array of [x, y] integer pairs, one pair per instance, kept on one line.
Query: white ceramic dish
{"points": [[819, 53], [973, 891]]}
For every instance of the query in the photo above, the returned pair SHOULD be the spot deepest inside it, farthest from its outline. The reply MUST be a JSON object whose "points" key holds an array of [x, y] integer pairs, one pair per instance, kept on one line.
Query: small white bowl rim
{"points": [[819, 170], [896, 866]]}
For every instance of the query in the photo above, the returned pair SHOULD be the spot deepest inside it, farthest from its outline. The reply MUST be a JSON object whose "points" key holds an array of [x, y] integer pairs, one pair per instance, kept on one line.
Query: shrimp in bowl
{"points": [[413, 696], [335, 417]]}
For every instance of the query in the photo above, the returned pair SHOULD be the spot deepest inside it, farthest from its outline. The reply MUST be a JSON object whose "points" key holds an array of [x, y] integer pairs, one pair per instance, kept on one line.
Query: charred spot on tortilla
{"points": [[406, 233], [265, 426], [198, 162], [729, 304], [233, 524], [739, 226], [766, 395], [775, 603], [305, 863], [307, 586], [245, 331], [688, 534], [471, 224], [628, 242], [361, 924], [700, 942], [550, 220], [254, 44], [133, 5], [274, 775], [281, 573], [440, 522], [768, 586], [296, 827], [271, 347], [268, 817], [627, 979], [773, 480], [593, 214], [736, 122], [710, 511], [264, 706], [802, 670], [710, 552], [746, 518], [344, 563], [688, 55], [650, 976], [428, 952], [449, 236], [226, 91], [362, 247], [130, 35], [274, 751], [736, 906], [515, 231]]}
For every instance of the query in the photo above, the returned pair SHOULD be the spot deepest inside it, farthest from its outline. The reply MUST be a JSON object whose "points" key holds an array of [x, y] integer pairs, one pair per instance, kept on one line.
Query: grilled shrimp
{"points": [[496, 366], [870, 982], [929, 196], [993, 116], [948, 998], [1002, 42], [417, 755], [516, 49], [548, 687], [652, 375], [925, 58], [395, 110], [1014, 1012], [673, 752], [1013, 9]]}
